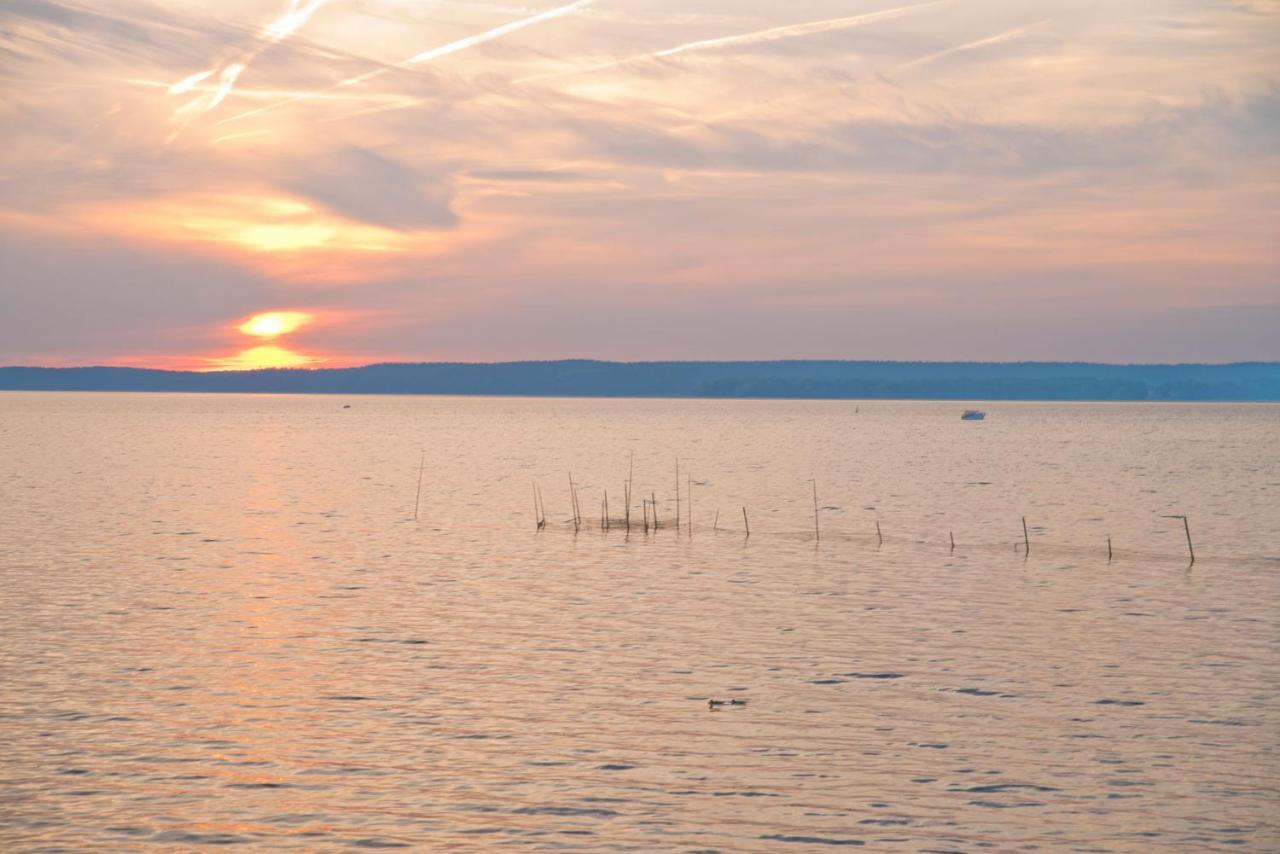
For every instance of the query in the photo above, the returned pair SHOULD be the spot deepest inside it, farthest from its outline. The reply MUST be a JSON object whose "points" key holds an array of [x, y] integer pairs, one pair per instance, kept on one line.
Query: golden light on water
{"points": [[274, 323]]}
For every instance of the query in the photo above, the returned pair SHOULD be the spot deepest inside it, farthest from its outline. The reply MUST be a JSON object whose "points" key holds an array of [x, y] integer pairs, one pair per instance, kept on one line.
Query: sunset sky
{"points": [[396, 180]]}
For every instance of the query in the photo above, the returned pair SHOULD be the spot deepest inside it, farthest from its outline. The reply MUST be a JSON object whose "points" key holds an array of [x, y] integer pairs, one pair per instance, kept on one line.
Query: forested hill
{"points": [[1247, 381]]}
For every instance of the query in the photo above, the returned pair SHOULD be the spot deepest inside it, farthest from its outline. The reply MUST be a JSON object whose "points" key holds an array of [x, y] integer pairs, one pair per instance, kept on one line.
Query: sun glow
{"points": [[275, 323], [259, 358], [260, 224]]}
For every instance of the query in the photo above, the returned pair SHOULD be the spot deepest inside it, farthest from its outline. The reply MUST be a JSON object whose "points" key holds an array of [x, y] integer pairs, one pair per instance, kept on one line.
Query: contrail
{"points": [[996, 39], [434, 53], [277, 31], [927, 58], [497, 32], [292, 21], [772, 34], [186, 84]]}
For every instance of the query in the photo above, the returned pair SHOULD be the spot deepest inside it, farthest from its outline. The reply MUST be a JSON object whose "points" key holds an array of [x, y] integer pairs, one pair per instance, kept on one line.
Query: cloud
{"points": [[434, 53], [372, 188], [77, 299], [764, 36], [552, 176], [795, 186], [1167, 137]]}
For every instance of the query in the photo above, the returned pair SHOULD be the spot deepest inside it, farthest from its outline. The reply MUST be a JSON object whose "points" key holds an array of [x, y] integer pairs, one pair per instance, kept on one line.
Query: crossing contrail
{"points": [[772, 34], [277, 31], [433, 54]]}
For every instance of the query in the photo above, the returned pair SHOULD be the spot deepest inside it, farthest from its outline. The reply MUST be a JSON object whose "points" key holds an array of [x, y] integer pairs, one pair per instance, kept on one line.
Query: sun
{"points": [[260, 358], [273, 324]]}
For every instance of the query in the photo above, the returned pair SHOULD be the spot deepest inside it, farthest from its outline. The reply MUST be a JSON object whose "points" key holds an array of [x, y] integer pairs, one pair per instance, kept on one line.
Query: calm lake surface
{"points": [[220, 623]]}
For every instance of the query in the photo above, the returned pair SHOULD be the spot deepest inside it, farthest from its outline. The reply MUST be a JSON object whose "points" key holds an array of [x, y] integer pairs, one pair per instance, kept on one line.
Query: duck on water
{"points": [[715, 704]]}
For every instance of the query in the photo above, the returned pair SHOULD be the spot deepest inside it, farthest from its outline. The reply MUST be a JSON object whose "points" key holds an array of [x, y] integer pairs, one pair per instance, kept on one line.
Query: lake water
{"points": [[220, 623]]}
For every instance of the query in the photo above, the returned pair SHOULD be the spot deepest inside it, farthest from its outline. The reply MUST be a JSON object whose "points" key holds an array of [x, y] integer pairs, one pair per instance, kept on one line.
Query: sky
{"points": [[209, 184]]}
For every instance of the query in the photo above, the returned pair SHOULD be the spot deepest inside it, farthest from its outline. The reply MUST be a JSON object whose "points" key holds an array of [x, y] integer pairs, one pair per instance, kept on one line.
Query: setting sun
{"points": [[274, 323], [258, 358]]}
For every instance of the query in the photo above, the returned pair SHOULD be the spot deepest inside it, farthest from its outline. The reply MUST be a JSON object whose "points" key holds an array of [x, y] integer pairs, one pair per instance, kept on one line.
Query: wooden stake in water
{"points": [[653, 499], [879, 536], [715, 526], [1108, 550], [631, 470], [607, 523], [1187, 528], [677, 494], [417, 498], [689, 492], [1025, 538], [573, 500], [745, 523], [952, 534], [817, 535]]}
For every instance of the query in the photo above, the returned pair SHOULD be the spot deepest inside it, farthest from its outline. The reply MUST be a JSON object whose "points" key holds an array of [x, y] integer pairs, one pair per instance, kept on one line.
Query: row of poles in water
{"points": [[649, 506], [650, 512]]}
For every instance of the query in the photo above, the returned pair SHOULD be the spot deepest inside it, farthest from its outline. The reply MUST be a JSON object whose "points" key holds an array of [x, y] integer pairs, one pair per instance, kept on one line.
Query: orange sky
{"points": [[638, 179]]}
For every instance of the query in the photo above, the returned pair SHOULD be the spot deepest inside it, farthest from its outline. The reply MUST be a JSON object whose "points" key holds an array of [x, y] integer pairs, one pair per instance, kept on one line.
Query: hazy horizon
{"points": [[594, 360], [795, 380]]}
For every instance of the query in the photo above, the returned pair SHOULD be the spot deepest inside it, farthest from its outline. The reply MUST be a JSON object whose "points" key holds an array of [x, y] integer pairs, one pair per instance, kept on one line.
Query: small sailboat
{"points": [[973, 415]]}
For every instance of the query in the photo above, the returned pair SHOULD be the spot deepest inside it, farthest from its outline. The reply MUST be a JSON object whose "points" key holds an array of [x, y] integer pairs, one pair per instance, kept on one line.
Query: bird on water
{"points": [[715, 704]]}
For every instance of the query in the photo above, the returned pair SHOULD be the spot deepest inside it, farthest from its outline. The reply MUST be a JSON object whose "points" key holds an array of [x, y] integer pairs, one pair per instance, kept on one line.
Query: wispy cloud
{"points": [[273, 33], [770, 34], [999, 38], [431, 55], [862, 182]]}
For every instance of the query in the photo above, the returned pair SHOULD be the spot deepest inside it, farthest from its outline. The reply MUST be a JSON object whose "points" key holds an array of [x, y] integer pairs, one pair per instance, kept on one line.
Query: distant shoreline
{"points": [[750, 380]]}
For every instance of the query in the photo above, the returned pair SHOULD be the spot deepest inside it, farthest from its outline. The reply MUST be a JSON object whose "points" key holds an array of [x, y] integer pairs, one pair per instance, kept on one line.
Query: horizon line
{"points": [[598, 361]]}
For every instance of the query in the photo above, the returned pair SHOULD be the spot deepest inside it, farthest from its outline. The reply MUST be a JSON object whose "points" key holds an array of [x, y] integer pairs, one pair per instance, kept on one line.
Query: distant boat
{"points": [[973, 415]]}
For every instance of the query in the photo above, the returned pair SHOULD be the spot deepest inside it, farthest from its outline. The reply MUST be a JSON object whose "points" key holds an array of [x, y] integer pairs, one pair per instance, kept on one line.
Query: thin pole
{"points": [[677, 493], [631, 470], [689, 492], [573, 498], [879, 537], [1025, 538], [653, 499], [1186, 527], [817, 535], [607, 522], [1108, 550], [537, 517], [715, 526], [745, 523], [417, 496], [953, 540]]}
